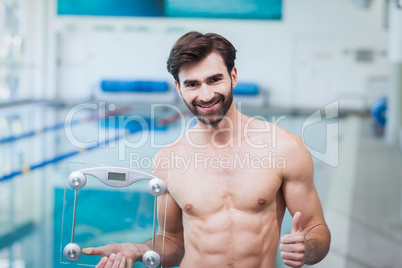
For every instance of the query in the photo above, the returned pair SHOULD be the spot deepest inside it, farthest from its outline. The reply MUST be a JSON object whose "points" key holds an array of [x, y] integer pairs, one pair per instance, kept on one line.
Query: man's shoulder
{"points": [[288, 139], [296, 154], [179, 146], [285, 142], [276, 135]]}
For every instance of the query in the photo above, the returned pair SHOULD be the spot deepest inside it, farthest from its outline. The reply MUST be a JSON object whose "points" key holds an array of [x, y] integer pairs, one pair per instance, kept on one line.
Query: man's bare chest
{"points": [[209, 187]]}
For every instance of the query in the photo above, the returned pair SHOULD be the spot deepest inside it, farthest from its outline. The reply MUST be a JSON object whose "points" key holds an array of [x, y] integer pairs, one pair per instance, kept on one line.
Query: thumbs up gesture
{"points": [[294, 247]]}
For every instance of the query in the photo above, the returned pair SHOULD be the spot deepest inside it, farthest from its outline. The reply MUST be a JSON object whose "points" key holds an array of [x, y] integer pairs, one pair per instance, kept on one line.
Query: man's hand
{"points": [[115, 255], [294, 248]]}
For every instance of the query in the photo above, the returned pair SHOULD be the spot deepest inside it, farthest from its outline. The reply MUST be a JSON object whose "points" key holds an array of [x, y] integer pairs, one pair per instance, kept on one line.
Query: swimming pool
{"points": [[33, 171]]}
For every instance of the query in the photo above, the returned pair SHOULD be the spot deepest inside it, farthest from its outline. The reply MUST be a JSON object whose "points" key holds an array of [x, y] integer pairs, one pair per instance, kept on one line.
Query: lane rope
{"points": [[61, 125]]}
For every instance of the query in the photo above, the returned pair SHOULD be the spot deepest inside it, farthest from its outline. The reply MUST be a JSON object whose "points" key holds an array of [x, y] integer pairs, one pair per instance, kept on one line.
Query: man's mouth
{"points": [[209, 106]]}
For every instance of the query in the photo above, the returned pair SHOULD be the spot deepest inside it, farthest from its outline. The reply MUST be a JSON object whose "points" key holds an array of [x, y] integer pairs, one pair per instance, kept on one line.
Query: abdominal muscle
{"points": [[231, 238]]}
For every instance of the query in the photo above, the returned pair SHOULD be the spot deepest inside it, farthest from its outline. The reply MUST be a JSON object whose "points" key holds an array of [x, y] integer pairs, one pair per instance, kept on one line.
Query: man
{"points": [[229, 215]]}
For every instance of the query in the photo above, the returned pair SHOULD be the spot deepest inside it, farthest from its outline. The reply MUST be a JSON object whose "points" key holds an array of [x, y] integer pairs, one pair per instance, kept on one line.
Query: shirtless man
{"points": [[220, 214]]}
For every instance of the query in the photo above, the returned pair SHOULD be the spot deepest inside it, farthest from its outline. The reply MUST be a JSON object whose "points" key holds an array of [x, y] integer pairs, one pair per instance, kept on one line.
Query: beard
{"points": [[215, 116]]}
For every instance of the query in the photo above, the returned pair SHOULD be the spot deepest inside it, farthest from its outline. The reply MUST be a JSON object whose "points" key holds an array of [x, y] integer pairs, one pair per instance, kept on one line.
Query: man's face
{"points": [[206, 88]]}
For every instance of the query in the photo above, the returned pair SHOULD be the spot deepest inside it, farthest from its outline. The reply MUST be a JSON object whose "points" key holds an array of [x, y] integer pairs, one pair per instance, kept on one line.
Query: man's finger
{"points": [[111, 261], [292, 239], [117, 261], [102, 263], [292, 256], [123, 262], [296, 223], [97, 251], [294, 264], [292, 248], [87, 251]]}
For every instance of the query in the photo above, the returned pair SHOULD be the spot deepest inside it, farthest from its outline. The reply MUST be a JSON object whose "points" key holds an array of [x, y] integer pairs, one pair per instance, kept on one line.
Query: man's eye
{"points": [[191, 85], [216, 79]]}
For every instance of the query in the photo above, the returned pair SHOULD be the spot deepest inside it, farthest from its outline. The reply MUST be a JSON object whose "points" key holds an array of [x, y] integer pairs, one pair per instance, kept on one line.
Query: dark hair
{"points": [[193, 47]]}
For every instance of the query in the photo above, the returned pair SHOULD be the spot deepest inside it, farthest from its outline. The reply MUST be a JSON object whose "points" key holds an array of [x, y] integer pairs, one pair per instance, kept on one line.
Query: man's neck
{"points": [[227, 130]]}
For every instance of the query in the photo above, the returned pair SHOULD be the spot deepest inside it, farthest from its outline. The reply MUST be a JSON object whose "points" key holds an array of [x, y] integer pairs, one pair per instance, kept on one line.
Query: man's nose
{"points": [[206, 93]]}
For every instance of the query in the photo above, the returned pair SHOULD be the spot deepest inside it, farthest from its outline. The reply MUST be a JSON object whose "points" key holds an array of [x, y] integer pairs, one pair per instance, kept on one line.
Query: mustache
{"points": [[212, 101]]}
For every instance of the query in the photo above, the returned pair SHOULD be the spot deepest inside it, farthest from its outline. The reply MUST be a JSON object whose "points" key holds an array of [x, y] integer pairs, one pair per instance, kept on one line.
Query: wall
{"points": [[305, 61]]}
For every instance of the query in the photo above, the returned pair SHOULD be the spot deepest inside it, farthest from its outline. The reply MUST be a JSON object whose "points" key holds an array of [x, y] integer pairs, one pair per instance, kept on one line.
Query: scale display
{"points": [[114, 176]]}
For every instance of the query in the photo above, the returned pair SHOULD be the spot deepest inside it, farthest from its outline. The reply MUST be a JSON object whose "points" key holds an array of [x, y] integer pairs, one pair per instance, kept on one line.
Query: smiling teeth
{"points": [[209, 105]]}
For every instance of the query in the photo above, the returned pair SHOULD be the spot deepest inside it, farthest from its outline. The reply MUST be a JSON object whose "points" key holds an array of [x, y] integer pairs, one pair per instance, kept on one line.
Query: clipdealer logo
{"points": [[125, 141], [331, 154]]}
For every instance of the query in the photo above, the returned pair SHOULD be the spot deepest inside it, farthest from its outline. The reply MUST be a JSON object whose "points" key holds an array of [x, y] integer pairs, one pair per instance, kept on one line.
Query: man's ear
{"points": [[177, 88], [233, 75]]}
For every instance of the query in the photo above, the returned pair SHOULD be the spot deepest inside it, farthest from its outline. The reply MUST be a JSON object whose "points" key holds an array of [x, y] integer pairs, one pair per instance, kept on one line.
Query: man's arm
{"points": [[310, 238], [169, 239]]}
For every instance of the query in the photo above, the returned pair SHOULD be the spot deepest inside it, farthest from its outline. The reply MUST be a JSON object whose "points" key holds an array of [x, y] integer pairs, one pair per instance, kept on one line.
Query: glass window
{"points": [[11, 48]]}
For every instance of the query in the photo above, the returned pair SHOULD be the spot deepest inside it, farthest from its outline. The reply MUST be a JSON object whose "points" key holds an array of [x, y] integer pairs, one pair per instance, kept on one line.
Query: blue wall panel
{"points": [[231, 9], [135, 8]]}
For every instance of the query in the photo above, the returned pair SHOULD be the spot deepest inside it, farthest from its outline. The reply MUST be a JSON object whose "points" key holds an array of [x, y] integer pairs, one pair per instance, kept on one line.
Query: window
{"points": [[11, 48]]}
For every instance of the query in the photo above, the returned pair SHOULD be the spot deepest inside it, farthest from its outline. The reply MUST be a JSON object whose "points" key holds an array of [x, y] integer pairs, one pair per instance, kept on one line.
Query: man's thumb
{"points": [[87, 251], [296, 222]]}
